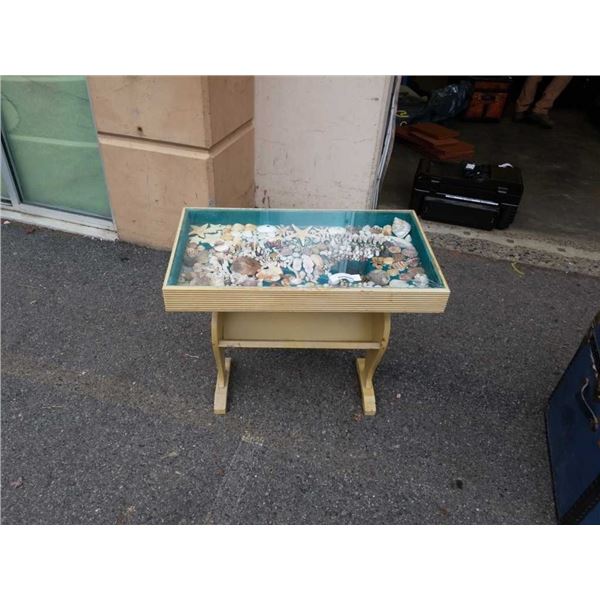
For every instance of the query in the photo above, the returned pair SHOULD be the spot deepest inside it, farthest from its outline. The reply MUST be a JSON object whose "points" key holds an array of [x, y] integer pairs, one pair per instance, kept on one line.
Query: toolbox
{"points": [[467, 193], [573, 430]]}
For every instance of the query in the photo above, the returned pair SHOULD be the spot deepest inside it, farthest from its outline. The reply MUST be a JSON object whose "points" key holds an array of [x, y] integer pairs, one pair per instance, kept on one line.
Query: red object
{"points": [[487, 101], [433, 130], [435, 141]]}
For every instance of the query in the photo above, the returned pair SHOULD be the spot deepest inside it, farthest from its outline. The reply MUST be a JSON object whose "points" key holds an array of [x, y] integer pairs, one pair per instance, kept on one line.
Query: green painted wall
{"points": [[50, 131]]}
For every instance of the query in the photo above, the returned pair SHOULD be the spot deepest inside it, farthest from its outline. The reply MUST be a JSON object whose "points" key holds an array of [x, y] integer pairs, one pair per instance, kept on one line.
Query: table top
{"points": [[265, 254]]}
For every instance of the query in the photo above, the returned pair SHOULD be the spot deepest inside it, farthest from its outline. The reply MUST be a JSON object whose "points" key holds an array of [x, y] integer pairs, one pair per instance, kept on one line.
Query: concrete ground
{"points": [[561, 201], [107, 401]]}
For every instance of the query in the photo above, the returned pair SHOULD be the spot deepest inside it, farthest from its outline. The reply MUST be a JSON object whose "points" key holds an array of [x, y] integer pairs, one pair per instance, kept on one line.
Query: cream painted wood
{"points": [[349, 331]]}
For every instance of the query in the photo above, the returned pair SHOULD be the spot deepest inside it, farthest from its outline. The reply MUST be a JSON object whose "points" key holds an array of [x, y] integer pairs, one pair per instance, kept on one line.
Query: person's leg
{"points": [[527, 95], [551, 93]]}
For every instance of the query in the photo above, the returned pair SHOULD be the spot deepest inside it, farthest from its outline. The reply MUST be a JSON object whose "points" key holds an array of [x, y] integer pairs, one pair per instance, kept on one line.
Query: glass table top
{"points": [[302, 249]]}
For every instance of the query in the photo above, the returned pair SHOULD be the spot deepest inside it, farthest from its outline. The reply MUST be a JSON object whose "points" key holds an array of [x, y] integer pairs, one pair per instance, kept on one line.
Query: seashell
{"points": [[199, 268], [421, 280], [212, 238], [378, 277], [267, 229], [337, 278], [198, 230], [245, 265], [270, 273], [410, 252], [413, 272], [398, 283], [400, 228], [401, 242], [297, 264], [250, 227], [399, 265], [308, 264], [250, 283], [221, 247], [204, 280], [387, 230], [302, 234], [237, 227], [388, 260], [317, 261], [190, 256], [336, 230]]}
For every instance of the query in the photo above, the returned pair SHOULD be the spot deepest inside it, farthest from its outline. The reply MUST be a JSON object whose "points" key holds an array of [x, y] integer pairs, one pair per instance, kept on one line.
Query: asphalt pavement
{"points": [[107, 416]]}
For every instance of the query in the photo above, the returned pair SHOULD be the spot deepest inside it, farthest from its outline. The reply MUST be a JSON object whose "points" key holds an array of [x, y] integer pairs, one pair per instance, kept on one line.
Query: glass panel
{"points": [[50, 132], [4, 187], [264, 248], [8, 192]]}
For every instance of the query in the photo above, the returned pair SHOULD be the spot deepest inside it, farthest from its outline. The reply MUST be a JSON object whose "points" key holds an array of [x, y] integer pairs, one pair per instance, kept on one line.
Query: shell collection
{"points": [[288, 255]]}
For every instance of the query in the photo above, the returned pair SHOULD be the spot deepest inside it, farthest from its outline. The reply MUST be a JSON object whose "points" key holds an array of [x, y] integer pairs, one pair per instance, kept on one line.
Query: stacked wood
{"points": [[435, 141]]}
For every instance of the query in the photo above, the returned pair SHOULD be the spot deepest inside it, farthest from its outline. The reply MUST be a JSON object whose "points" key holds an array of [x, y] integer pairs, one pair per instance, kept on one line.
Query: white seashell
{"points": [[336, 230], [398, 283], [317, 261], [308, 264], [270, 229], [221, 248], [400, 228], [401, 242], [336, 278], [421, 280], [296, 264]]}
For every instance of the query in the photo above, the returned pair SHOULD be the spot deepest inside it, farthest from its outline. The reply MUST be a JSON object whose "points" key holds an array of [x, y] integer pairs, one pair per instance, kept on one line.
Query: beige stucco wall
{"points": [[169, 142], [318, 140]]}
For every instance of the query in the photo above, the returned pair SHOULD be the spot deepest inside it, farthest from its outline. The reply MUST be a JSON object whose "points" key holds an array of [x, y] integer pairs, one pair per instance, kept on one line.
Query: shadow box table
{"points": [[302, 279]]}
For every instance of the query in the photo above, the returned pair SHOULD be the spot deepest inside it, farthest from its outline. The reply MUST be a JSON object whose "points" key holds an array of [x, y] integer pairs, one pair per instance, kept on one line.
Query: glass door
{"points": [[50, 148]]}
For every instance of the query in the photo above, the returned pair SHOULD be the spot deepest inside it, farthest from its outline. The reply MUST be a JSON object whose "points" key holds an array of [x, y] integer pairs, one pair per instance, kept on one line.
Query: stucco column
{"points": [[169, 142], [319, 140]]}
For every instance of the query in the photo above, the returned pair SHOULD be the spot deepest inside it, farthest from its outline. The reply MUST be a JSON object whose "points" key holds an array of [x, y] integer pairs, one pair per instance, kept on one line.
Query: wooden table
{"points": [[299, 317]]}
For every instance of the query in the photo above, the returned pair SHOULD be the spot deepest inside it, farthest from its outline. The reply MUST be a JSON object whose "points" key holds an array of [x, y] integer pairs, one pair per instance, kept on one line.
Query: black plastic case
{"points": [[482, 196]]}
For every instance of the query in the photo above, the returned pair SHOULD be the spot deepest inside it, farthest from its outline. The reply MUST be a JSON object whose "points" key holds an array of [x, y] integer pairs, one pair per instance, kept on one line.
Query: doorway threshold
{"points": [[61, 221]]}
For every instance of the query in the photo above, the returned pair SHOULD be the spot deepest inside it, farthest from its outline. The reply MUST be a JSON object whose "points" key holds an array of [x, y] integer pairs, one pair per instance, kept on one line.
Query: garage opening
{"points": [[559, 160]]}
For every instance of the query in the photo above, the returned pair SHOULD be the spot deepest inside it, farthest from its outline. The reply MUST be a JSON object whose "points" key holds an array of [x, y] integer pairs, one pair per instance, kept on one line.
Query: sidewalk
{"points": [[107, 401]]}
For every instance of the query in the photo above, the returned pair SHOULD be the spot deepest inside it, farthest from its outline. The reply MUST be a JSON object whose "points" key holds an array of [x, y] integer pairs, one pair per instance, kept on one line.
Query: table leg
{"points": [[366, 366], [223, 365]]}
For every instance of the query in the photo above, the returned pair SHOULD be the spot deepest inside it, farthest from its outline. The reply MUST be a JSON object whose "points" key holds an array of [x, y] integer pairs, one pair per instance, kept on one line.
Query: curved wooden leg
{"points": [[223, 365], [366, 366]]}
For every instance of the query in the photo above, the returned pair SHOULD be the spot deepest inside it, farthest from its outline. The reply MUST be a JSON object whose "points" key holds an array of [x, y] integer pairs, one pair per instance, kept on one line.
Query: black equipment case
{"points": [[573, 430], [483, 196]]}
